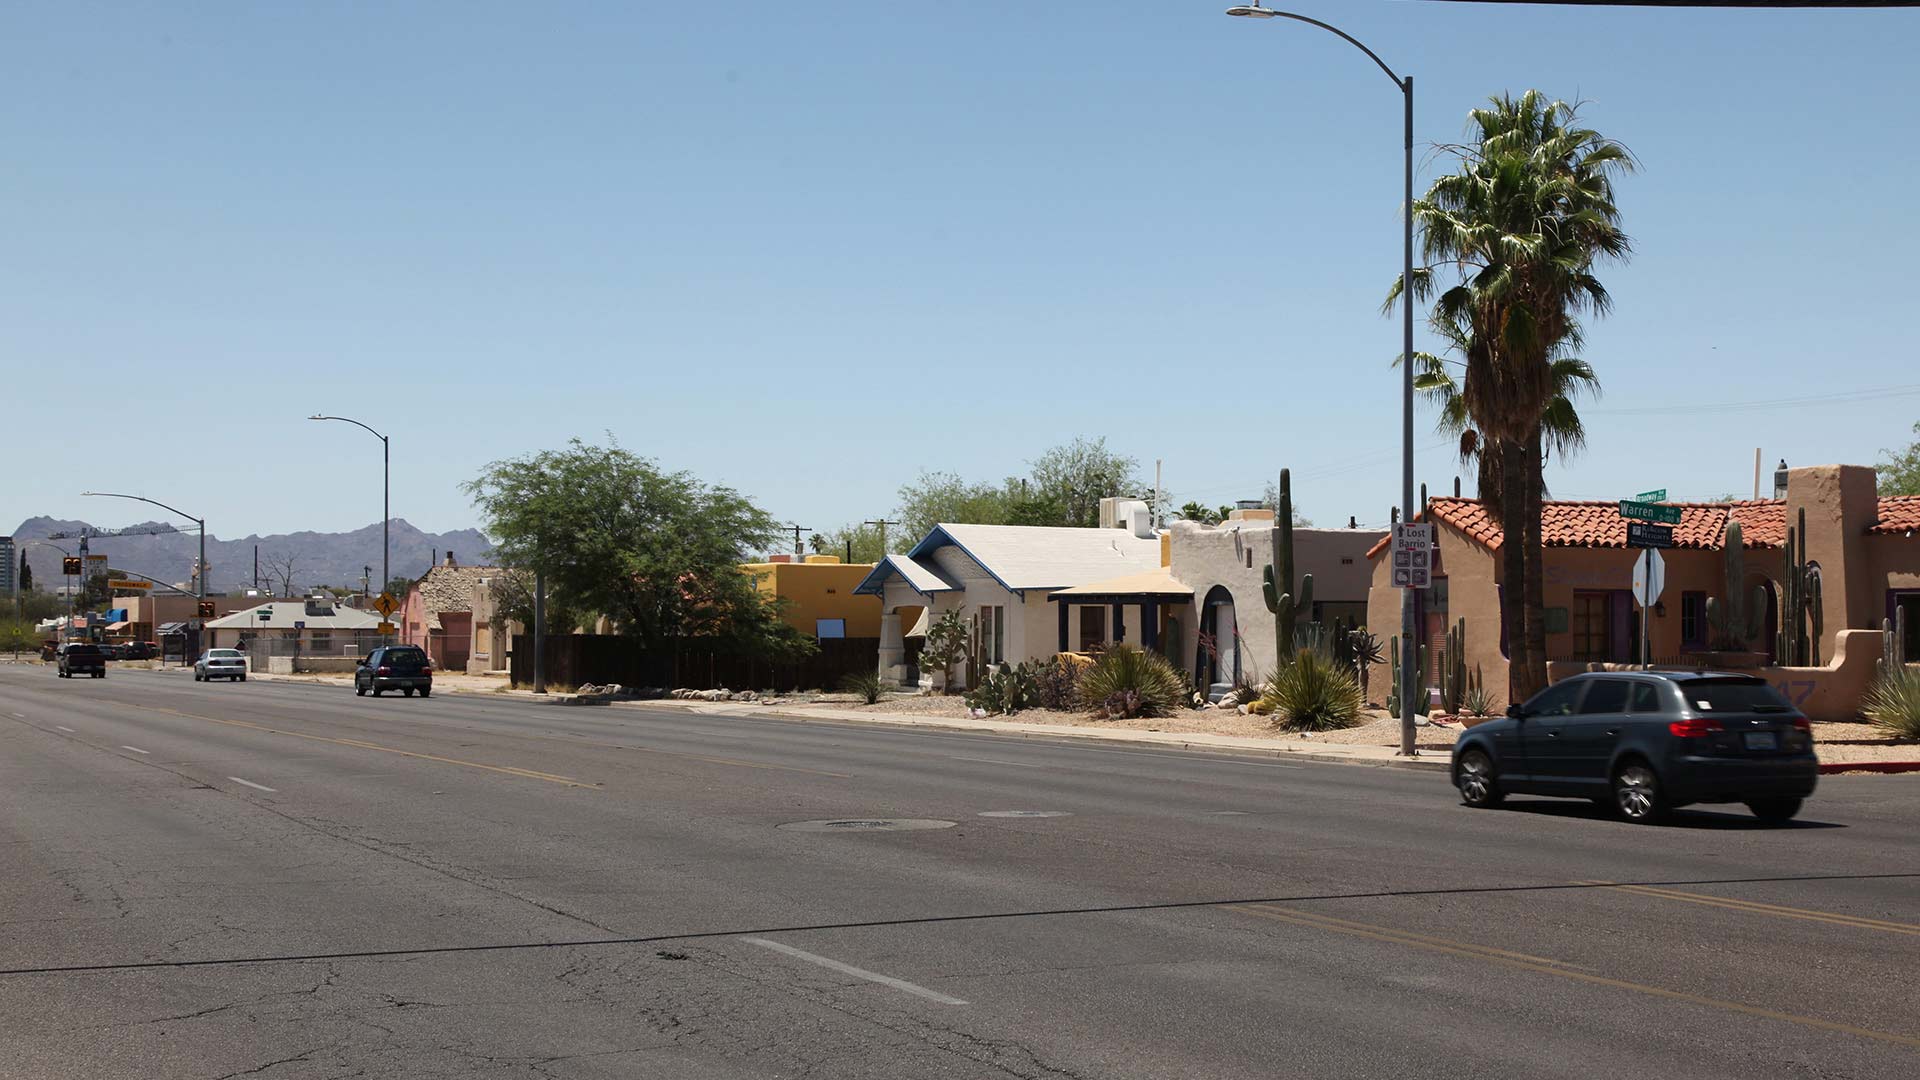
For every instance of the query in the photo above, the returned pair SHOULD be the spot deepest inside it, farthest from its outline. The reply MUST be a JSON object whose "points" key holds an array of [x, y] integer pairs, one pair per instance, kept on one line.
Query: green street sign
{"points": [[1669, 515], [1656, 495]]}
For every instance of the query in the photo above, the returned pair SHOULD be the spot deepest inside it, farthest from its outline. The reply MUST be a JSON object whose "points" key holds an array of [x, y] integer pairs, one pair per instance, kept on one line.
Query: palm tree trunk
{"points": [[1534, 594], [1513, 568]]}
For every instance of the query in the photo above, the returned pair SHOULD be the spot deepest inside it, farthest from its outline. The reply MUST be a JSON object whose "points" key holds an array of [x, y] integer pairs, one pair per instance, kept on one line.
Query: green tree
{"points": [[864, 538], [1070, 480], [1523, 222], [24, 581], [659, 553], [936, 497], [1198, 511], [1900, 469], [17, 636]]}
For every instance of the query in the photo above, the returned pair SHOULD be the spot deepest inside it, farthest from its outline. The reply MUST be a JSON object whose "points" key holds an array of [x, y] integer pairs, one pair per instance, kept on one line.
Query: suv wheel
{"points": [[1475, 779], [1777, 811], [359, 691], [1637, 795]]}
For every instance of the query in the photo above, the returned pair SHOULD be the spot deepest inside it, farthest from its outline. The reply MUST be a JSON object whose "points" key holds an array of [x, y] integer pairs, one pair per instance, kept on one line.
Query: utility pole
{"points": [[1159, 518], [798, 549], [366, 582], [883, 523], [539, 632], [256, 567]]}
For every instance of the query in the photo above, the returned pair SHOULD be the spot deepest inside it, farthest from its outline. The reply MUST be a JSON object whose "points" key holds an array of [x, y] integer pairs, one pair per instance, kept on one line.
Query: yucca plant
{"points": [[1127, 682], [865, 684], [1479, 701], [1893, 702], [1313, 694]]}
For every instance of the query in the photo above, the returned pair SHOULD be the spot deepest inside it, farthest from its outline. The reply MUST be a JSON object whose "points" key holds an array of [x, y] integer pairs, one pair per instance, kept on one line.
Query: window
{"points": [[1556, 700], [1093, 628], [1646, 698], [992, 620], [829, 628], [1693, 620], [322, 640], [1605, 696], [1731, 696]]}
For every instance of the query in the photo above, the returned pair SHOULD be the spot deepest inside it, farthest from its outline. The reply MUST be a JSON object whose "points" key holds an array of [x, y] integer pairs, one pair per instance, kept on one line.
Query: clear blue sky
{"points": [[810, 249]]}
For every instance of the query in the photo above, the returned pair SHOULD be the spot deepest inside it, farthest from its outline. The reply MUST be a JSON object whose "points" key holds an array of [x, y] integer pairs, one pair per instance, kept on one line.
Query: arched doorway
{"points": [[1221, 664]]}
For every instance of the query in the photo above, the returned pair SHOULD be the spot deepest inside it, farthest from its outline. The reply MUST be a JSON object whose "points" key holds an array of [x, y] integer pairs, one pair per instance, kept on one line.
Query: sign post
{"points": [[1650, 572], [1649, 579]]}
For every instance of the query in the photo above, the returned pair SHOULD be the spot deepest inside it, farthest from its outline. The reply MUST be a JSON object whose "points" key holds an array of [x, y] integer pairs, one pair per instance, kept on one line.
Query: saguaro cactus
{"points": [[1735, 625], [1420, 676], [1454, 681], [1801, 602], [1278, 575]]}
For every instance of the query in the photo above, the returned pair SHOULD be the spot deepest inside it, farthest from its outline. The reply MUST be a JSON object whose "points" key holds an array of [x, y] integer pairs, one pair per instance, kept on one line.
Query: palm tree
{"points": [[1522, 223]]}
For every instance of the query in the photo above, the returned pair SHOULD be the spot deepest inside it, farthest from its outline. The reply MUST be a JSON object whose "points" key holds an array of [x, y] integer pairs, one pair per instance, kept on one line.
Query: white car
{"points": [[220, 664]]}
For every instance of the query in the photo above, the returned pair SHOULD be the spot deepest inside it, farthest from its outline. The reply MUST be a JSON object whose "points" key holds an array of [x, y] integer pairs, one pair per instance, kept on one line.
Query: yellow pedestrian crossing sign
{"points": [[385, 604]]}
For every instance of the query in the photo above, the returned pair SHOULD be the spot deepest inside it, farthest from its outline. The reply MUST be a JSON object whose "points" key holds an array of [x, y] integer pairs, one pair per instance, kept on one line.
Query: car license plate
{"points": [[1762, 740]]}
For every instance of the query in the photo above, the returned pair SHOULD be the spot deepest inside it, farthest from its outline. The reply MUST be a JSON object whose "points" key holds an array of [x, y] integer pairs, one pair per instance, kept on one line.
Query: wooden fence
{"points": [[578, 659]]}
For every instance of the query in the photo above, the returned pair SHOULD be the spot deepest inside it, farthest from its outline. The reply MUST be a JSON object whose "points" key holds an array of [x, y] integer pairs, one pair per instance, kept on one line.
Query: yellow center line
{"points": [[1495, 956], [1755, 907], [1344, 924], [508, 770]]}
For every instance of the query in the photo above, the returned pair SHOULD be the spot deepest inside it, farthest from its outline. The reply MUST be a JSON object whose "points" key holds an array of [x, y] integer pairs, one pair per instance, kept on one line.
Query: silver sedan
{"points": [[220, 664]]}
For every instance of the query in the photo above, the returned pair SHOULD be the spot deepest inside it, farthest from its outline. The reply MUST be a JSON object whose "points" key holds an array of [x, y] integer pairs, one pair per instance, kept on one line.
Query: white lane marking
{"points": [[859, 973], [251, 784], [135, 749], [64, 728], [1229, 813], [998, 761], [1193, 757], [19, 716]]}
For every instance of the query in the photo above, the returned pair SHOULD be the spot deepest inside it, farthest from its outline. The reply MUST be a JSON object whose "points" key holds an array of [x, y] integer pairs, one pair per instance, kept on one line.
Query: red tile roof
{"points": [[1898, 514]]}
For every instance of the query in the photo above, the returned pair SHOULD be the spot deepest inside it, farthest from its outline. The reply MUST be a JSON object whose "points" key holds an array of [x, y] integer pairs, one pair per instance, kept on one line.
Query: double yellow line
{"points": [[1754, 907], [1544, 966]]}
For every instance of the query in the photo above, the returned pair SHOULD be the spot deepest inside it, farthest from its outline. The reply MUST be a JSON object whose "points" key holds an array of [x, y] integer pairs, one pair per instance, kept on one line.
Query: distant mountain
{"points": [[319, 558]]}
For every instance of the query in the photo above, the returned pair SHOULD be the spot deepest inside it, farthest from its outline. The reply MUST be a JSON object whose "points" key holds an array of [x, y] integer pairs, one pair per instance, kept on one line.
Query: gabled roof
{"points": [[925, 580], [285, 613], [1022, 557]]}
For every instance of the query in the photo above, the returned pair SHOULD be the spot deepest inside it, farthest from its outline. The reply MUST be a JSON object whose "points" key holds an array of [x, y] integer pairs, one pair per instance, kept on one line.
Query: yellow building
{"points": [[819, 596]]}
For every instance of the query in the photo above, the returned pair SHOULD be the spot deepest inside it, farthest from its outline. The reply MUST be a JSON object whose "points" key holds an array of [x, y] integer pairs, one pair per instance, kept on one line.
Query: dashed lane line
{"points": [[251, 784], [135, 749]]}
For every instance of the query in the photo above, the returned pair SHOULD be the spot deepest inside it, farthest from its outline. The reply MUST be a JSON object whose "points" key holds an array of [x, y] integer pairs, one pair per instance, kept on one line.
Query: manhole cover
{"points": [[868, 825], [1025, 813]]}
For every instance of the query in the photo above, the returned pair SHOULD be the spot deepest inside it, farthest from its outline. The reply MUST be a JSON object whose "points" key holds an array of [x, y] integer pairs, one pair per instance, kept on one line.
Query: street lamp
{"points": [[200, 575], [1409, 677], [386, 494]]}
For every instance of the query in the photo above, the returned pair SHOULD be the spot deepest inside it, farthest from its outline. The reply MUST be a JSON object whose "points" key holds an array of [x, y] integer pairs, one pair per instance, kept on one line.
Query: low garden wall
{"points": [[1832, 692]]}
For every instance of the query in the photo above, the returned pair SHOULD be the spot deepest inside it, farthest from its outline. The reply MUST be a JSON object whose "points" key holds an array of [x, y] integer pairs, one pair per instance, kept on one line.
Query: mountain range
{"points": [[318, 558]]}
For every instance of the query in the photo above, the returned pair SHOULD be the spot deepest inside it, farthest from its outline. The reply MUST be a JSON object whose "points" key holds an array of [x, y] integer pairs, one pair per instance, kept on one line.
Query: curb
{"points": [[1423, 764], [1830, 767]]}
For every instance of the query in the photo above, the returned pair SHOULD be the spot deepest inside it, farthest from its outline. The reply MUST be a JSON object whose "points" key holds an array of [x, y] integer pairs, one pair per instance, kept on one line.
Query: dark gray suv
{"points": [[395, 667], [1643, 743]]}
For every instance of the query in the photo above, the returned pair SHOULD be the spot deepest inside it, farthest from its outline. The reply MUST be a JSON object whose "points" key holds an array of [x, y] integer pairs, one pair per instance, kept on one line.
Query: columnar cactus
{"points": [[1454, 680], [1420, 676], [1278, 575], [1734, 623], [1801, 602]]}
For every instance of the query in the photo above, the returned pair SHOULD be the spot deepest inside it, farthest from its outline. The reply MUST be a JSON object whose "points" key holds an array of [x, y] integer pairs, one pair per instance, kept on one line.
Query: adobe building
{"points": [[818, 595], [1864, 546]]}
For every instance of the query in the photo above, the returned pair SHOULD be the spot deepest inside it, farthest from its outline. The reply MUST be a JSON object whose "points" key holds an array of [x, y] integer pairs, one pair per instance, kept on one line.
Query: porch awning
{"points": [[116, 626], [1157, 584], [173, 628]]}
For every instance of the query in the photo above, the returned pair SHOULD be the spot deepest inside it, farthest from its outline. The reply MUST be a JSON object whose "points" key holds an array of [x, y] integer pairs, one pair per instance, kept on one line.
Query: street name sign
{"points": [[1649, 577], [129, 583], [1641, 534], [1646, 511], [1412, 555], [1656, 495]]}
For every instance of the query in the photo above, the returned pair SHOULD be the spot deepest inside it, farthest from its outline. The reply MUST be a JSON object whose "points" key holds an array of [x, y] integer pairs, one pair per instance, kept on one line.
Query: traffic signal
{"points": [[70, 566], [206, 609]]}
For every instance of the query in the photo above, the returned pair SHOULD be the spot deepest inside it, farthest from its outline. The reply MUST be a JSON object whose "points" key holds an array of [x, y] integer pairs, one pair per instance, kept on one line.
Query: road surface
{"points": [[279, 880]]}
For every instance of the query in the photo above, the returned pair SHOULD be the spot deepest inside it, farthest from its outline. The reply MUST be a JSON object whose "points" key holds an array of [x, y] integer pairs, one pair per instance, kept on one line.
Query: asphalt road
{"points": [[279, 880]]}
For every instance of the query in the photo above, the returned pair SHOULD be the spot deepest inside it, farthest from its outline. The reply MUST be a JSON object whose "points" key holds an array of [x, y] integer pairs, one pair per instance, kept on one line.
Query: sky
{"points": [[810, 250]]}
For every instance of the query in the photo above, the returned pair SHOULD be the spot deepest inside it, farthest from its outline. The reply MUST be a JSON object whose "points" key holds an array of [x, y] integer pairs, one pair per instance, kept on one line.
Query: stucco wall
{"points": [[815, 591], [1840, 503], [1235, 554]]}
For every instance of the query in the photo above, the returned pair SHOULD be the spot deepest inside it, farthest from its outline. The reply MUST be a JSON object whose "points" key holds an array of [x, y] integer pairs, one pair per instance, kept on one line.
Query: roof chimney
{"points": [[449, 561]]}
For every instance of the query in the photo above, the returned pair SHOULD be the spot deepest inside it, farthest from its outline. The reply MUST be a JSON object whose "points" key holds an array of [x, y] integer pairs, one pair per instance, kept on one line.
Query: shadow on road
{"points": [[1689, 818]]}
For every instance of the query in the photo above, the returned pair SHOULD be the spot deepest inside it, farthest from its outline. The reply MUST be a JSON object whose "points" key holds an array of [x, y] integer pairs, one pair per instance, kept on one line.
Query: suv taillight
{"points": [[383, 670], [1801, 723], [1695, 729], [427, 670]]}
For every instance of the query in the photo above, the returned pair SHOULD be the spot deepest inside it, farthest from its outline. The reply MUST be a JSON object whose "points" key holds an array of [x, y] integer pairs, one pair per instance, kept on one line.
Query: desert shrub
{"points": [[1060, 680], [1893, 701], [1007, 689], [1313, 694], [865, 684], [1479, 701], [1127, 682]]}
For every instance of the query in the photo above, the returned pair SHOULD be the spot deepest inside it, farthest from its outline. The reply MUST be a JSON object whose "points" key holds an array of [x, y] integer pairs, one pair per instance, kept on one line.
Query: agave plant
{"points": [[865, 684], [1893, 702], [1127, 682], [1313, 694]]}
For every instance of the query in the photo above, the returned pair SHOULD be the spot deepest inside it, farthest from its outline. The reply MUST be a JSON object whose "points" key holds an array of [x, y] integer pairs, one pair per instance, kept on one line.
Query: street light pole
{"points": [[1408, 656], [200, 574], [386, 496]]}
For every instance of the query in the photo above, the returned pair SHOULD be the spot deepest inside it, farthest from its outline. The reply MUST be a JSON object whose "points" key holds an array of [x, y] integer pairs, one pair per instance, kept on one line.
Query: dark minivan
{"points": [[1644, 742], [395, 667]]}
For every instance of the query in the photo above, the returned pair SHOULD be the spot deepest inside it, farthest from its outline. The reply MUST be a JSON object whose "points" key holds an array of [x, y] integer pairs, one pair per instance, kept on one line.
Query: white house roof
{"points": [[923, 579], [285, 613], [1024, 557]]}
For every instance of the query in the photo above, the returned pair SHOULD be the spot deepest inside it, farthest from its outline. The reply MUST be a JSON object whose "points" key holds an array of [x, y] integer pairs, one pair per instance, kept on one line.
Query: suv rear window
{"points": [[83, 650], [405, 658], [1734, 697]]}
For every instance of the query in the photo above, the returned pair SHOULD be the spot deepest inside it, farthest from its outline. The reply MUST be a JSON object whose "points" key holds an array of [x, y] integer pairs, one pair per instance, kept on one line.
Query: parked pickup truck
{"points": [[81, 658]]}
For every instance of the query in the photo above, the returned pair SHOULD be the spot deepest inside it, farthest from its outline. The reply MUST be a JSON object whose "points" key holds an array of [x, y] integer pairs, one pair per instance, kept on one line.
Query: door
{"points": [[1590, 735], [1542, 730], [1591, 623]]}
